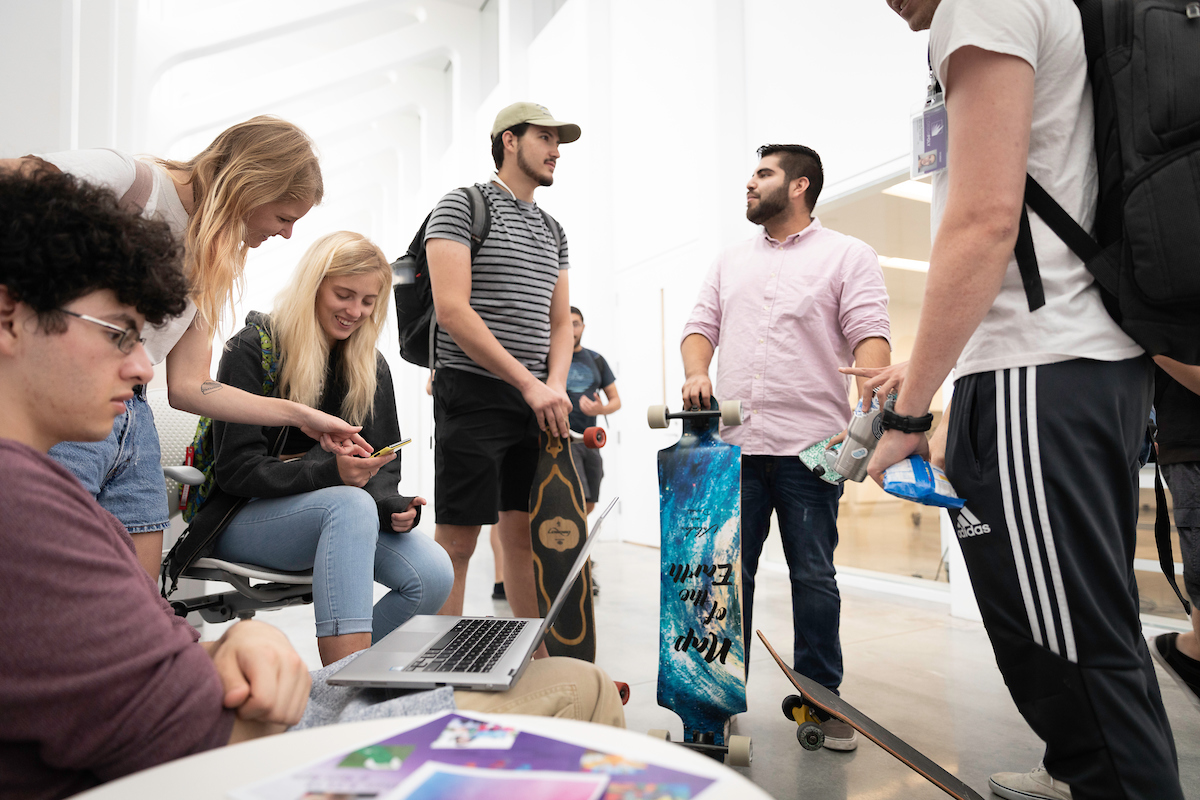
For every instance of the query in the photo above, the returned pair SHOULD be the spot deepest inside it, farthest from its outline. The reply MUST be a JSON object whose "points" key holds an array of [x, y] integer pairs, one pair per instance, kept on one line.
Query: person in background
{"points": [[589, 375]]}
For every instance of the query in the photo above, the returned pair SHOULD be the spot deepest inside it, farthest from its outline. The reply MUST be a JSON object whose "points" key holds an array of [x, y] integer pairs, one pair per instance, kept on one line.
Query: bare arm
{"points": [[989, 103], [190, 387], [594, 408], [1186, 374], [872, 352], [450, 279], [697, 353]]}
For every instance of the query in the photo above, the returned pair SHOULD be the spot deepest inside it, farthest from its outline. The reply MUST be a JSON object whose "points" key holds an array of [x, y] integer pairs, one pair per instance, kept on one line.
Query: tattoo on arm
{"points": [[208, 387]]}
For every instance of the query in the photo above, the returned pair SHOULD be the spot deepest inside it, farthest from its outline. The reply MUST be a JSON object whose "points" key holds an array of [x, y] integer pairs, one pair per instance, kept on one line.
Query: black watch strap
{"points": [[891, 421]]}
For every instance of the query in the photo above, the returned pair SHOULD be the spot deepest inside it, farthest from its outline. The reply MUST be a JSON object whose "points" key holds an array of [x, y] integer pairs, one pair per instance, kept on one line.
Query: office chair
{"points": [[256, 588]]}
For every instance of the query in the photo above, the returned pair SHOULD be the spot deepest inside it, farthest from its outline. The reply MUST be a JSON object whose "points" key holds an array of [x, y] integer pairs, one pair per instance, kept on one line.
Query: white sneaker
{"points": [[1034, 785], [839, 735]]}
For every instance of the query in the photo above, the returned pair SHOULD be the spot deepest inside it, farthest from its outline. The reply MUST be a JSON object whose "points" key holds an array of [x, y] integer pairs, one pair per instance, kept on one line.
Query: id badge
{"points": [[929, 139]]}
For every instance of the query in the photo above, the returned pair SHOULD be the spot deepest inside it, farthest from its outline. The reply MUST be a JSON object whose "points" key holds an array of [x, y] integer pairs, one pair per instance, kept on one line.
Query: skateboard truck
{"points": [[737, 752], [808, 733], [730, 412]]}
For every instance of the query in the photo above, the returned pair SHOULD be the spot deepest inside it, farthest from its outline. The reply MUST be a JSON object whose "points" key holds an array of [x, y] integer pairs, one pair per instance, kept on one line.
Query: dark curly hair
{"points": [[62, 238]]}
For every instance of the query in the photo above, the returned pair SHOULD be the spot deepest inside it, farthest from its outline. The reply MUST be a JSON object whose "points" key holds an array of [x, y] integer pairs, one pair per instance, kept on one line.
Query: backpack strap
{"points": [[1067, 229], [555, 231], [481, 226], [1162, 538]]}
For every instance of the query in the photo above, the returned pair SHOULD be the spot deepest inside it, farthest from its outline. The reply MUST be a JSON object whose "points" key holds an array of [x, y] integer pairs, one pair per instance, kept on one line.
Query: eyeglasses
{"points": [[126, 337]]}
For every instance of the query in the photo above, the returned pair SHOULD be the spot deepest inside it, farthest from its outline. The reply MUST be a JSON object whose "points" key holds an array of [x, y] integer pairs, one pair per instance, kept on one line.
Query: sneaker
{"points": [[839, 735], [1185, 670], [498, 592], [1034, 785]]}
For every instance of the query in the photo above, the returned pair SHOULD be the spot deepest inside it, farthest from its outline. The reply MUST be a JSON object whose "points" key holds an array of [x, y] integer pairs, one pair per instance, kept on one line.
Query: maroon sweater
{"points": [[98, 678]]}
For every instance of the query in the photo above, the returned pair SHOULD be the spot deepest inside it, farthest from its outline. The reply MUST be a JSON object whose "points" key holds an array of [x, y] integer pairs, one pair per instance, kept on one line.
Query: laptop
{"points": [[479, 653]]}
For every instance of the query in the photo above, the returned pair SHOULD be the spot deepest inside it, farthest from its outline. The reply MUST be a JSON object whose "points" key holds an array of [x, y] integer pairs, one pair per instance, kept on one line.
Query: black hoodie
{"points": [[244, 465]]}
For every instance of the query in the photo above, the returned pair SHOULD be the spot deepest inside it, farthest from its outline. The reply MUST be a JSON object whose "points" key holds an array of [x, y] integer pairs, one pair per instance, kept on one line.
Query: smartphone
{"points": [[391, 448]]}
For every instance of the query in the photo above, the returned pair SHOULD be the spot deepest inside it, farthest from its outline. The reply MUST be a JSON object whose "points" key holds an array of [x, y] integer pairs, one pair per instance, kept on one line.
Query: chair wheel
{"points": [[659, 733], [741, 752], [656, 416], [810, 736], [594, 438]]}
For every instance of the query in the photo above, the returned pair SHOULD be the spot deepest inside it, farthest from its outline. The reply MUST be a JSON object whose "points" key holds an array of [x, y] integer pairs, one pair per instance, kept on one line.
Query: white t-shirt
{"points": [[116, 171], [1073, 324]]}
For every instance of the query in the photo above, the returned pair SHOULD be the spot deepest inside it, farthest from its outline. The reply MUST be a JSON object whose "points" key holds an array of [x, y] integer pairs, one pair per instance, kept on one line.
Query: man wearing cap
{"points": [[504, 344]]}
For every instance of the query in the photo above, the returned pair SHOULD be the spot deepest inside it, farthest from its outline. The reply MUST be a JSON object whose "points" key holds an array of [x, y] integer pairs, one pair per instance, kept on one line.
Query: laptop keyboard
{"points": [[472, 645]]}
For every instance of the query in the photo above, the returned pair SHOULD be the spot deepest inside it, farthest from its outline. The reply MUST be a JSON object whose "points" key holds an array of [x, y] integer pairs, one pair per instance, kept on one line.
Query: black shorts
{"points": [[485, 448], [590, 466]]}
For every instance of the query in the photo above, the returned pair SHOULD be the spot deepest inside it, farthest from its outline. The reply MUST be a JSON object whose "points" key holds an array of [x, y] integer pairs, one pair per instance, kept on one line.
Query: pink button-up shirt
{"points": [[785, 315]]}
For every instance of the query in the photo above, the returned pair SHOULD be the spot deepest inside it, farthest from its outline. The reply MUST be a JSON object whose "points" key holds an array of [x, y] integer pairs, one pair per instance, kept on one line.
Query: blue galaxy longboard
{"points": [[701, 657]]}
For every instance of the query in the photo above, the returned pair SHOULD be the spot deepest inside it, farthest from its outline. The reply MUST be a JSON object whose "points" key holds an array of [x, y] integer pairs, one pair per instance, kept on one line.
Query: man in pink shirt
{"points": [[788, 307]]}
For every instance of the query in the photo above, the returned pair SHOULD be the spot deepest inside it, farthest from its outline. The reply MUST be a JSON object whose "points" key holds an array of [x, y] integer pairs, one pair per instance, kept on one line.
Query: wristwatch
{"points": [[890, 420]]}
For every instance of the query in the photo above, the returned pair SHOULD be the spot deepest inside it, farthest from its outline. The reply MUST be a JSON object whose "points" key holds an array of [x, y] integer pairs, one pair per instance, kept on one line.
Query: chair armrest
{"points": [[186, 475]]}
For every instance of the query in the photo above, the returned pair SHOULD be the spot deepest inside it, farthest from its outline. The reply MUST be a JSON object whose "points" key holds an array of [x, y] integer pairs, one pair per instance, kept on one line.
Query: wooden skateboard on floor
{"points": [[701, 655], [558, 527], [815, 698]]}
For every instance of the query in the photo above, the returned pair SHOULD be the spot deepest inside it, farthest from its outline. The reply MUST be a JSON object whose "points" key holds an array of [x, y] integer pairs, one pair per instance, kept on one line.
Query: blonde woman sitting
{"points": [[340, 515]]}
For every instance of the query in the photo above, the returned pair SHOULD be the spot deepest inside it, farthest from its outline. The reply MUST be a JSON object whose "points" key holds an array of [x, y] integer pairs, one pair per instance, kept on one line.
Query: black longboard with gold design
{"points": [[558, 526]]}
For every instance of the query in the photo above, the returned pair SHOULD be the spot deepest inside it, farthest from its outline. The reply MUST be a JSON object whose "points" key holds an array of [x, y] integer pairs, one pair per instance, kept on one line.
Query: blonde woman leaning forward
{"points": [[253, 182], [339, 515]]}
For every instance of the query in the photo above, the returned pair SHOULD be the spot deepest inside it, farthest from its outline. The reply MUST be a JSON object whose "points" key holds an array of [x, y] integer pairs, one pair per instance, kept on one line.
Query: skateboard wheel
{"points": [[810, 736], [792, 704], [594, 438], [741, 752], [656, 416], [659, 733], [731, 412]]}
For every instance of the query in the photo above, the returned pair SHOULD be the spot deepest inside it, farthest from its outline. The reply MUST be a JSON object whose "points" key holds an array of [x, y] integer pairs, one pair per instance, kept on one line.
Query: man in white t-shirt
{"points": [[1050, 405]]}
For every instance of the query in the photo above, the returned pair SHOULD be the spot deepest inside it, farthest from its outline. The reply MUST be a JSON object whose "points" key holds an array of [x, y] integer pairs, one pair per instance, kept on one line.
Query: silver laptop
{"points": [[482, 653]]}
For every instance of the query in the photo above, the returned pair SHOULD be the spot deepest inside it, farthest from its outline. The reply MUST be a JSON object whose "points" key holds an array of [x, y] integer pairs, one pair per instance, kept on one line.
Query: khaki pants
{"points": [[554, 687]]}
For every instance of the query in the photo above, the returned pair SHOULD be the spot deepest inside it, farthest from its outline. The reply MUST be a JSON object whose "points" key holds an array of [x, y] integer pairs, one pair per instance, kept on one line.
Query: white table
{"points": [[208, 776]]}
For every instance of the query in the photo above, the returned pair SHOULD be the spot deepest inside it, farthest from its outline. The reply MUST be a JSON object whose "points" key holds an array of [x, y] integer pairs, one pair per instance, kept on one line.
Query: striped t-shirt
{"points": [[512, 278]]}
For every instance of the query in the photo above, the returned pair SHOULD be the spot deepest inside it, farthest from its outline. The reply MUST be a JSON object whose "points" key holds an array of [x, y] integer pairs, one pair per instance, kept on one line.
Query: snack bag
{"points": [[914, 478]]}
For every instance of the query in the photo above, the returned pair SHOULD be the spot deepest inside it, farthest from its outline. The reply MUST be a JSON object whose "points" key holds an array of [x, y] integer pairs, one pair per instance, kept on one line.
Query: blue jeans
{"points": [[124, 471], [335, 533], [807, 508]]}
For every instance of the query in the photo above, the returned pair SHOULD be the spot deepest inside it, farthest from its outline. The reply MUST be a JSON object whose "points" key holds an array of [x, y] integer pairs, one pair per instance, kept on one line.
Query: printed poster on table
{"points": [[457, 756]]}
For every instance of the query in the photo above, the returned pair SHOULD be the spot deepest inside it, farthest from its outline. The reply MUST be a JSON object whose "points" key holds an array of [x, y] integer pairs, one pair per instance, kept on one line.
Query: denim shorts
{"points": [[124, 471]]}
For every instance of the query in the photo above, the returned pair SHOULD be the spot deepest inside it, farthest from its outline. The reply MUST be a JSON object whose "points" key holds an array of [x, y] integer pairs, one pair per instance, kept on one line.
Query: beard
{"points": [[769, 206], [527, 168]]}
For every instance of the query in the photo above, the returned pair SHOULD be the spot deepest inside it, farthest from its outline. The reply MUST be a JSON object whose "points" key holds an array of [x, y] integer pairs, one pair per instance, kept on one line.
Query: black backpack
{"points": [[415, 317], [1144, 63], [1143, 60]]}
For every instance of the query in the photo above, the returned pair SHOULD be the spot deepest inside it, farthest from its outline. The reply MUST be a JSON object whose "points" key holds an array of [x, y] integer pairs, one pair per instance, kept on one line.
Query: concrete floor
{"points": [[924, 675]]}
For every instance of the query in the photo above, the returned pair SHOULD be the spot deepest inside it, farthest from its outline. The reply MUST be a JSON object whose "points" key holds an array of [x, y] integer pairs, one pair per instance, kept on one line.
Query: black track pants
{"points": [[1046, 458]]}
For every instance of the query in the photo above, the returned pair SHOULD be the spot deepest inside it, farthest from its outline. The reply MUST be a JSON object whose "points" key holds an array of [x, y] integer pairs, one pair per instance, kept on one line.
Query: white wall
{"points": [[672, 95]]}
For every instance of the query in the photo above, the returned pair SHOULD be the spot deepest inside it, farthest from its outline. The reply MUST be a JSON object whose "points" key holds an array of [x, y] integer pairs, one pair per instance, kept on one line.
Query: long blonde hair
{"points": [[302, 346], [259, 161]]}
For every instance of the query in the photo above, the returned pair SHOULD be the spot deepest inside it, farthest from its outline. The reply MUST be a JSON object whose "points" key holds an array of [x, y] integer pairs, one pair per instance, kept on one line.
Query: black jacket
{"points": [[244, 465]]}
